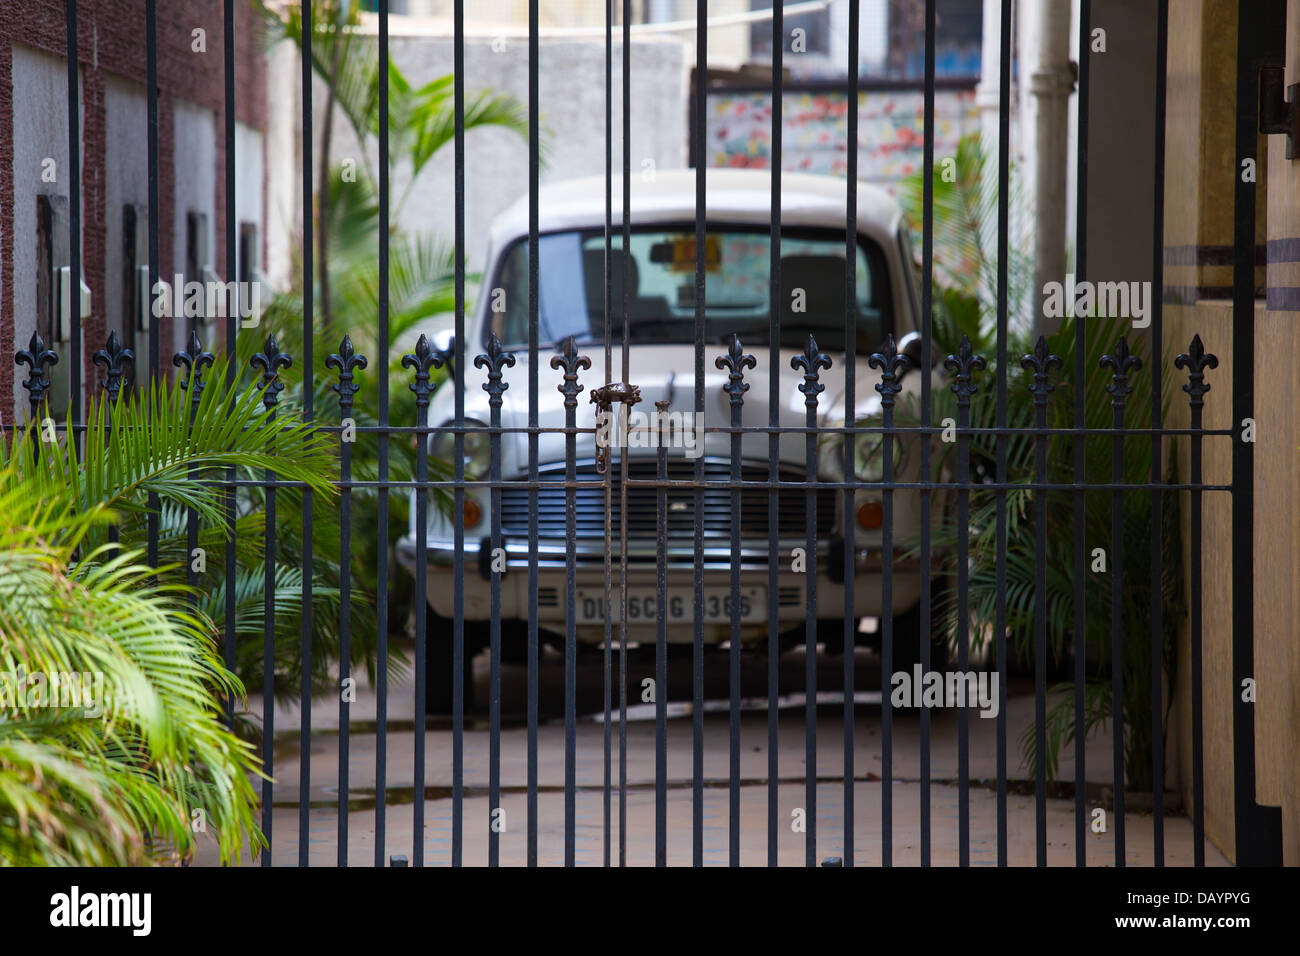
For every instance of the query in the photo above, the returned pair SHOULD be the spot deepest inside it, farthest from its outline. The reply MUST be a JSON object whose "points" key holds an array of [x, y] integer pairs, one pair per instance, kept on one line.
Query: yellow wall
{"points": [[1200, 170]]}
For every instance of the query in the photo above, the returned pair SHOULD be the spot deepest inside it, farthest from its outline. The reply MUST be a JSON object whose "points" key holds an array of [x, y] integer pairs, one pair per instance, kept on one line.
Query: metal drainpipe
{"points": [[1051, 82], [987, 90]]}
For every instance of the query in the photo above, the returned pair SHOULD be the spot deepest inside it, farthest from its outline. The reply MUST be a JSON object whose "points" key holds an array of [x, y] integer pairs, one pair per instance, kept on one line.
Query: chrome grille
{"points": [[643, 509]]}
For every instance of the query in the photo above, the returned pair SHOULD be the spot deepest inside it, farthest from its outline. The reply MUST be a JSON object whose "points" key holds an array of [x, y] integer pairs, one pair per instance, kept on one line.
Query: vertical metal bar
{"points": [[736, 388], [381, 587], [887, 617], [1040, 606], [850, 415], [232, 327], [271, 361], [661, 649], [268, 667], [1080, 445], [570, 608], [308, 383], [1257, 830], [155, 207], [345, 605], [1198, 682], [74, 226], [151, 94], [1004, 210], [697, 646], [963, 615], [1196, 360], [1117, 630], [609, 471], [810, 361], [927, 370], [1121, 361], [533, 306], [195, 388], [458, 559], [494, 362], [774, 404], [622, 455], [1157, 441], [421, 595]]}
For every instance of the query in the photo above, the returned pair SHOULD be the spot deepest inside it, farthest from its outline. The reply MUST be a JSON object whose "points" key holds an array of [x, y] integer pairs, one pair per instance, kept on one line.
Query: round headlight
{"points": [[869, 458], [478, 448]]}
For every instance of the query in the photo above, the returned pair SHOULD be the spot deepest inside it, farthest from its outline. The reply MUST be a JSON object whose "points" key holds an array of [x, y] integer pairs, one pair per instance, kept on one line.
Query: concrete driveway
{"points": [[640, 775]]}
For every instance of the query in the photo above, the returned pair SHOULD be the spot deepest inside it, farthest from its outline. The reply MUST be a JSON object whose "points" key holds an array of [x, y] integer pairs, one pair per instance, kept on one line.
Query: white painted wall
{"points": [[40, 127], [571, 112], [250, 157], [126, 162], [283, 149], [195, 165]]}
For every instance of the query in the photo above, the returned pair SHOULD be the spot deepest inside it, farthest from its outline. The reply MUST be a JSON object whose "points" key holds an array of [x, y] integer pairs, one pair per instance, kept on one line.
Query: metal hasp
{"points": [[1277, 107], [604, 398]]}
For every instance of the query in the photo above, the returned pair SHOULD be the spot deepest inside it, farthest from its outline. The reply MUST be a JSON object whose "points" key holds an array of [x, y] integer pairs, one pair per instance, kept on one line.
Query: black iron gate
{"points": [[751, 497]]}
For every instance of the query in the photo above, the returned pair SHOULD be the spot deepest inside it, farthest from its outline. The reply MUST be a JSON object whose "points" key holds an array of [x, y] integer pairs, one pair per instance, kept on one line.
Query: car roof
{"points": [[732, 196]]}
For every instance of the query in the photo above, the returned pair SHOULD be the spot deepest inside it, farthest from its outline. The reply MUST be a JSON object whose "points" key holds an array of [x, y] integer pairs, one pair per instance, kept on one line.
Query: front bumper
{"points": [[715, 564]]}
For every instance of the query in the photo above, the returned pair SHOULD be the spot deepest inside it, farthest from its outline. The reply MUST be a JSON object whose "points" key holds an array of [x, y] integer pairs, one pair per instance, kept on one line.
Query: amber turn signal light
{"points": [[870, 515], [473, 513]]}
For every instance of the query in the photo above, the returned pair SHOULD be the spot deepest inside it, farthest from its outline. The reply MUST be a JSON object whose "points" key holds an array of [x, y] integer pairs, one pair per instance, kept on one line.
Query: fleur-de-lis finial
{"points": [[494, 360], [1122, 361], [193, 360], [422, 359], [39, 360], [891, 364], [113, 358], [270, 361], [1040, 362], [568, 359], [734, 362], [345, 360], [964, 364], [810, 361], [1196, 360]]}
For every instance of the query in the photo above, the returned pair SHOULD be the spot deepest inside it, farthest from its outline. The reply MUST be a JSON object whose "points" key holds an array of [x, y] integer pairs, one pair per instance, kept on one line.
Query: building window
{"points": [[51, 255], [136, 299], [198, 263], [249, 253], [816, 36]]}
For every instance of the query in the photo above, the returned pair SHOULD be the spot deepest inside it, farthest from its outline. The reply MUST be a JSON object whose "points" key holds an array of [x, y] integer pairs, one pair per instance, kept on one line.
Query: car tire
{"points": [[907, 642], [830, 635], [439, 663]]}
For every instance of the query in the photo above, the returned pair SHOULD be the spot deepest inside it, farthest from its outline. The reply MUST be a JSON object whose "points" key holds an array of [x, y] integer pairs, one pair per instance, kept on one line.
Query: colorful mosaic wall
{"points": [[814, 130]]}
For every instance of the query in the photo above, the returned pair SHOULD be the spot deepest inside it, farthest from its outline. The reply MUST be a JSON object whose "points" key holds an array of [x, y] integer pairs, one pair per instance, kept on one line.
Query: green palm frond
{"points": [[150, 749], [157, 443], [119, 778]]}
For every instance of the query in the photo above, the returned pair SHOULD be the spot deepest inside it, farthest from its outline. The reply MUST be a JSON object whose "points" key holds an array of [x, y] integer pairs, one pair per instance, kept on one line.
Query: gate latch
{"points": [[1278, 111], [604, 399]]}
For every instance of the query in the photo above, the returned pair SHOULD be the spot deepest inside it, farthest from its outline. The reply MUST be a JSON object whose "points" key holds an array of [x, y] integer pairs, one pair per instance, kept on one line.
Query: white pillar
{"points": [[988, 89], [1050, 85]]}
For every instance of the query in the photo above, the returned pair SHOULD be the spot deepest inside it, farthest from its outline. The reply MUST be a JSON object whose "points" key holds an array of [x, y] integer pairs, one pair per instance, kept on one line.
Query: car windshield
{"points": [[661, 288]]}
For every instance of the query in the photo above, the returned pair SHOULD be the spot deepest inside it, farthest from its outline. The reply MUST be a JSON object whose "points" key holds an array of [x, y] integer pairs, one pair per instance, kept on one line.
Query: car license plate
{"points": [[679, 605]]}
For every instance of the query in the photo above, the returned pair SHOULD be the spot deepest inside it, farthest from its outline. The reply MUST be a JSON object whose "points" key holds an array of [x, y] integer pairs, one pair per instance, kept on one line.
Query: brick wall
{"points": [[111, 40]]}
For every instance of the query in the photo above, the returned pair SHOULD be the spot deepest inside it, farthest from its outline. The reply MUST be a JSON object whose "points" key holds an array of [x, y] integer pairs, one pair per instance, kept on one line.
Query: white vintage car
{"points": [[662, 360]]}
